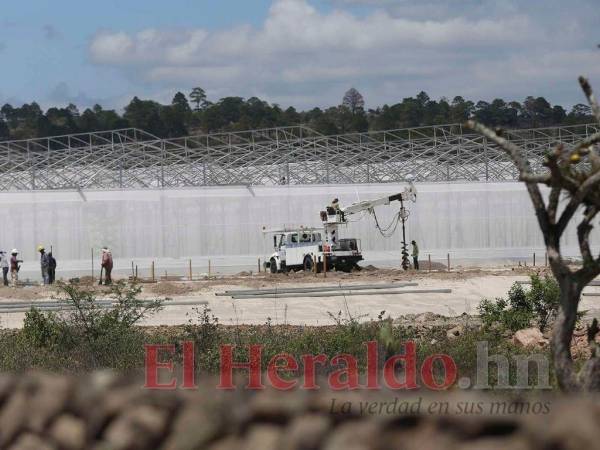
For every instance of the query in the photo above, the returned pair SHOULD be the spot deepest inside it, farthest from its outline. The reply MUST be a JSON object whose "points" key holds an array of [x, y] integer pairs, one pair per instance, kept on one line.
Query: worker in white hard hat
{"points": [[14, 267], [44, 263]]}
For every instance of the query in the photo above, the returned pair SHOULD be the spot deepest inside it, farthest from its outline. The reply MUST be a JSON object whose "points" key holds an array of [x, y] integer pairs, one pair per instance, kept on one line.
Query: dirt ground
{"points": [[369, 274], [468, 287]]}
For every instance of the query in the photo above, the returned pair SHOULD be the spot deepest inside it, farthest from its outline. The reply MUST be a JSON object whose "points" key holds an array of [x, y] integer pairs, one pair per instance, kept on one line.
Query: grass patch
{"points": [[90, 337]]}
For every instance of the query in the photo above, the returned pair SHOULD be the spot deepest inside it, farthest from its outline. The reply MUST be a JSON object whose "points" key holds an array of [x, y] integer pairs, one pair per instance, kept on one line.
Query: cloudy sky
{"points": [[296, 52]]}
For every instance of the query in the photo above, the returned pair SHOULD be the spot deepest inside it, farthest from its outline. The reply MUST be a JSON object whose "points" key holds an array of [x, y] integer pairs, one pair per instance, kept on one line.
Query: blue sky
{"points": [[44, 44], [296, 52]]}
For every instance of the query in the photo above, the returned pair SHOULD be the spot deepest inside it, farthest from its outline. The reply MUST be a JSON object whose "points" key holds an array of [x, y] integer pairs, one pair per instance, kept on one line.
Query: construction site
{"points": [[299, 225], [198, 216]]}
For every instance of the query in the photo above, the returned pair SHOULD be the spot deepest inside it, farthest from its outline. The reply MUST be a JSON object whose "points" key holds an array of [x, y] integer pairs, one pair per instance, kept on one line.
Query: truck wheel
{"points": [[308, 264], [344, 267], [273, 266]]}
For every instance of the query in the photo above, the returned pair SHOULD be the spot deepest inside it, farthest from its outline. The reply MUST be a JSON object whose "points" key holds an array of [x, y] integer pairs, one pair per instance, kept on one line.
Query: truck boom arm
{"points": [[410, 193]]}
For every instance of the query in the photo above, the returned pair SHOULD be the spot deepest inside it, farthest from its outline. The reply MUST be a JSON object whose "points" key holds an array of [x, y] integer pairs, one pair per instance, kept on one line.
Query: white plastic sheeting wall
{"points": [[485, 221]]}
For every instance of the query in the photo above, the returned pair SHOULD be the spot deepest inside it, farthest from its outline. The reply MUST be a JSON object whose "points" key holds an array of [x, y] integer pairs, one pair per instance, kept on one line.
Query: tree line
{"points": [[195, 114]]}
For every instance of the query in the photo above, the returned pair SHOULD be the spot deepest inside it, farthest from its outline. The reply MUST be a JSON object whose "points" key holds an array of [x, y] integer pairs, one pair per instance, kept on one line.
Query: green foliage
{"points": [[236, 113], [45, 343], [89, 331], [540, 304], [46, 330]]}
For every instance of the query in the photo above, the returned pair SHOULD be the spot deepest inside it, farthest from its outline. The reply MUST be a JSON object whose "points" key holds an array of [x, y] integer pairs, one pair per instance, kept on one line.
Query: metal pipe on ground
{"points": [[24, 307], [341, 294], [42, 305], [358, 287]]}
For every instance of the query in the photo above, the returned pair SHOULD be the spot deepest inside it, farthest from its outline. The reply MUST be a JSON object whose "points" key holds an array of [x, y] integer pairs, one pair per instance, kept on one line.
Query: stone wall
{"points": [[102, 411]]}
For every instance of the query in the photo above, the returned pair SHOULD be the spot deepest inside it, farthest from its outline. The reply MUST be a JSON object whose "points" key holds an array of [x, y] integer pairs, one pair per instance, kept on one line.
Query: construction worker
{"points": [[44, 263], [335, 207], [107, 265], [14, 267], [415, 255], [51, 268], [4, 266]]}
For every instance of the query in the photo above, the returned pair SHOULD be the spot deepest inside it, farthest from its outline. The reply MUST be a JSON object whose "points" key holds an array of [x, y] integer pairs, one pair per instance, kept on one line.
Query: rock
{"points": [[490, 443], [455, 332], [548, 333], [138, 427], [7, 384], [529, 337], [196, 425], [570, 426], [69, 432], [193, 427], [51, 395], [353, 436], [276, 406], [263, 437], [13, 417], [228, 443], [306, 432], [31, 442], [426, 317]]}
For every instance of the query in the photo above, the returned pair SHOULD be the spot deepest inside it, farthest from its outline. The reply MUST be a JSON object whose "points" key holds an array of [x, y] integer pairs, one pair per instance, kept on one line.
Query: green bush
{"points": [[539, 304], [46, 330], [89, 332]]}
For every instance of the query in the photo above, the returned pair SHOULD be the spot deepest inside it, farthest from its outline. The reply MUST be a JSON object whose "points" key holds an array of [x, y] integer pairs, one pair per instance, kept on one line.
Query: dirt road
{"points": [[468, 289]]}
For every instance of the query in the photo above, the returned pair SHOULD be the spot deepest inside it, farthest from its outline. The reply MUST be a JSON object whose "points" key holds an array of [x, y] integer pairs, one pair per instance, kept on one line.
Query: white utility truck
{"points": [[297, 249], [310, 249]]}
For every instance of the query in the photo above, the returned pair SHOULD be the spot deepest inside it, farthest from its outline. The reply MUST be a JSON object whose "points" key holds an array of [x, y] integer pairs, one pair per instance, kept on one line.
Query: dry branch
{"points": [[582, 185]]}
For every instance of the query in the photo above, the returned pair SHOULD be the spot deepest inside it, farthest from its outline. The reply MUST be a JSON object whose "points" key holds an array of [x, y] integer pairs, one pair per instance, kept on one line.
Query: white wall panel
{"points": [[470, 220]]}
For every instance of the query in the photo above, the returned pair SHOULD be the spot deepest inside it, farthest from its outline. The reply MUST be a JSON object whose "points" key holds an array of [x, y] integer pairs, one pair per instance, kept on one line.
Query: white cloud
{"points": [[62, 95], [300, 50]]}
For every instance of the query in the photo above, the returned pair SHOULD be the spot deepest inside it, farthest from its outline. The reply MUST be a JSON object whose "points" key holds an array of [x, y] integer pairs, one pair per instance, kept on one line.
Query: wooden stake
{"points": [[136, 272], [152, 270], [430, 262], [258, 265], [533, 259], [448, 262], [132, 271], [209, 268], [190, 270]]}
